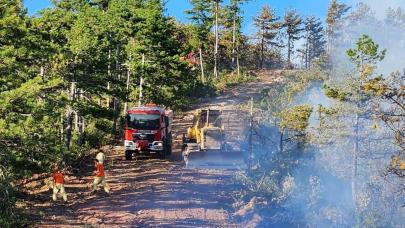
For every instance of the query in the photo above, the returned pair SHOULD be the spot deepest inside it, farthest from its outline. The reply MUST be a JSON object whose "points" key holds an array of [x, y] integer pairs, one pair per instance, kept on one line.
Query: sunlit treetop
{"points": [[365, 55]]}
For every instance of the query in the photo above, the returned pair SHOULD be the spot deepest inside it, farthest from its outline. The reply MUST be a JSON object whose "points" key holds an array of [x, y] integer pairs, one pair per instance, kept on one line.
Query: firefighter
{"points": [[100, 173], [58, 184]]}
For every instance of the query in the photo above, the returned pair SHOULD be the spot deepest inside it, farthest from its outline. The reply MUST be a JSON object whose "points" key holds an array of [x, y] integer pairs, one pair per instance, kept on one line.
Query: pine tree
{"points": [[268, 30], [55, 69], [13, 31], [336, 12], [202, 16], [232, 35], [391, 110], [216, 36], [292, 23], [356, 101], [314, 45]]}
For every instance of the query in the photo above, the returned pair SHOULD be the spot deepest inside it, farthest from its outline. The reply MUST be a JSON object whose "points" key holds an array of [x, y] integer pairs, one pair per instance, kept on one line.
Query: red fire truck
{"points": [[148, 129]]}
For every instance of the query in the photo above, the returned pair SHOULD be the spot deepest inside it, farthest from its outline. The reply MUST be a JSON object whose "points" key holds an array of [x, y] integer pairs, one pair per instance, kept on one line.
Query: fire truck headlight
{"points": [[159, 144], [129, 144]]}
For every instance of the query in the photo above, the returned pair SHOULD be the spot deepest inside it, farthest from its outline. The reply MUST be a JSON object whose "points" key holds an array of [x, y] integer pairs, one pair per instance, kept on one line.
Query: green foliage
{"points": [[274, 99], [230, 79], [316, 40], [279, 95], [316, 73], [292, 23], [201, 14], [391, 91], [335, 12], [366, 55], [268, 29], [267, 24], [9, 217], [324, 110], [377, 86], [15, 46], [30, 124], [280, 139], [314, 46], [296, 118], [97, 133], [334, 93], [54, 100], [355, 90], [231, 41]]}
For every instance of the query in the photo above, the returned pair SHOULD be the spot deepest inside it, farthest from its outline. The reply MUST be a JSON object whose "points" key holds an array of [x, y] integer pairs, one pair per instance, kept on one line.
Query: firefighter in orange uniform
{"points": [[100, 173], [58, 184]]}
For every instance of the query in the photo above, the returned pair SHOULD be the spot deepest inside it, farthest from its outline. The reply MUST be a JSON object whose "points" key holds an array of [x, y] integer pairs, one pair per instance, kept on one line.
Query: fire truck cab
{"points": [[148, 129]]}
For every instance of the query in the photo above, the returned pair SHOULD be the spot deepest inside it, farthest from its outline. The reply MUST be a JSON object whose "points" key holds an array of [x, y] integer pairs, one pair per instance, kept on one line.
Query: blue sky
{"points": [[177, 7]]}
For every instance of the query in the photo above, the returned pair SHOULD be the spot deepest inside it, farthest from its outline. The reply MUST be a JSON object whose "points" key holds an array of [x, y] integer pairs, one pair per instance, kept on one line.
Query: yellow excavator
{"points": [[207, 132]]}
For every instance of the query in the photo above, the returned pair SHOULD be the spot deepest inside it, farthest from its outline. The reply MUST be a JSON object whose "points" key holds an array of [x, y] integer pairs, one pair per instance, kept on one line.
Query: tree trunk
{"points": [[307, 52], [109, 76], [116, 101], [234, 42], [76, 122], [311, 50], [262, 53], [355, 159], [79, 121], [141, 82], [281, 145], [289, 52], [127, 90], [69, 117], [62, 128], [80, 129], [83, 122], [237, 63], [202, 66], [262, 48], [216, 39], [42, 72], [329, 38]]}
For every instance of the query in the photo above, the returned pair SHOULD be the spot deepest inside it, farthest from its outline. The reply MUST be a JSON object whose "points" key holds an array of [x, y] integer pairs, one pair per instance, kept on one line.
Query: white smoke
{"points": [[375, 24], [380, 7], [332, 162]]}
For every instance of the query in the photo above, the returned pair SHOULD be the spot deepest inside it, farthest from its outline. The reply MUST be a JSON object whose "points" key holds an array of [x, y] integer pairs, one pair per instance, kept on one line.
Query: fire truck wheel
{"points": [[128, 155]]}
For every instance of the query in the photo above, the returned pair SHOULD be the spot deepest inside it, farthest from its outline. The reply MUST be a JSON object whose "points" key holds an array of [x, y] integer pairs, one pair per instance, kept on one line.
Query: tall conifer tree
{"points": [[268, 30], [293, 26]]}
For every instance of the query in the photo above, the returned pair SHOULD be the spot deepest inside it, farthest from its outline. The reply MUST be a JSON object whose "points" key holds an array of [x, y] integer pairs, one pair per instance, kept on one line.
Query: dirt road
{"points": [[151, 192]]}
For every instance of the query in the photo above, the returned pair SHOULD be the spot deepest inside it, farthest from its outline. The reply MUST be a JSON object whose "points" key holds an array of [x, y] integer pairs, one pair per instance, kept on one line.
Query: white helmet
{"points": [[100, 157]]}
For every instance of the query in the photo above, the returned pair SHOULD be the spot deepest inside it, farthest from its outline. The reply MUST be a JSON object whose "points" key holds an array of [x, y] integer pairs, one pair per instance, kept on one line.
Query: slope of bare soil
{"points": [[149, 192]]}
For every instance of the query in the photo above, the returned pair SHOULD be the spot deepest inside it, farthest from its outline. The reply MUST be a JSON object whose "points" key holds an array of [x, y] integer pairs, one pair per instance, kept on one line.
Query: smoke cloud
{"points": [[321, 192], [372, 19], [380, 7]]}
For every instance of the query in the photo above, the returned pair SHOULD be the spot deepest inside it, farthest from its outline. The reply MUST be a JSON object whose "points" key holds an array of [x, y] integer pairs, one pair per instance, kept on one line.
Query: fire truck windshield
{"points": [[143, 121]]}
